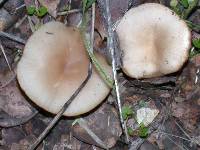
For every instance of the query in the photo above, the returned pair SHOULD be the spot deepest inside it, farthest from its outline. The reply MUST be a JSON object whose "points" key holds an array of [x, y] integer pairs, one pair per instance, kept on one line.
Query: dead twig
{"points": [[118, 53], [173, 135], [32, 27], [190, 139], [20, 7], [182, 148], [18, 24], [136, 144], [111, 49], [12, 37], [4, 54], [30, 22], [69, 12], [62, 110], [9, 81], [2, 2], [92, 28], [81, 121]]}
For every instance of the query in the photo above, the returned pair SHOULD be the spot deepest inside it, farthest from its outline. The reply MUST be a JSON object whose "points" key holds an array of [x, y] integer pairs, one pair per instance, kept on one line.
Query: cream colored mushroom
{"points": [[53, 66], [154, 41]]}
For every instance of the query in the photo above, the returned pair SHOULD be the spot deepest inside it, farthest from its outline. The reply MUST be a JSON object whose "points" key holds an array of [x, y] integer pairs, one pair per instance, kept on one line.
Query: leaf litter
{"points": [[176, 96]]}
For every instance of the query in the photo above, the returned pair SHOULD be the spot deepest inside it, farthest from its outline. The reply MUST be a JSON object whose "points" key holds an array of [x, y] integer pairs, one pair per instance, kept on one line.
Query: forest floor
{"points": [[176, 96]]}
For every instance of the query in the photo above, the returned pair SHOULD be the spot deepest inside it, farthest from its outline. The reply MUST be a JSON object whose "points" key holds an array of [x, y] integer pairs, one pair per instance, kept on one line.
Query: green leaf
{"points": [[196, 48], [42, 11], [31, 10], [84, 5], [126, 112], [190, 2], [194, 52], [130, 131], [192, 25], [192, 5], [196, 43], [175, 6], [143, 131], [87, 4], [184, 3], [173, 3], [103, 74]]}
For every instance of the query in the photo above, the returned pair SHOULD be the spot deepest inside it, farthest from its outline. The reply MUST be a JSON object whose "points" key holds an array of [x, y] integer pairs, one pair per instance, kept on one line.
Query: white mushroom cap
{"points": [[53, 66], [154, 40]]}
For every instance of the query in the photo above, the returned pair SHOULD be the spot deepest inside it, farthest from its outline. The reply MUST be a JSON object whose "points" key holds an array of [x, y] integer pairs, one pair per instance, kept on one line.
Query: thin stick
{"points": [[32, 27], [18, 24], [69, 12], [114, 69], [176, 143], [62, 110], [108, 80], [169, 134], [12, 37], [192, 25], [2, 1], [186, 133], [20, 7], [10, 80], [173, 135], [4, 54], [92, 28], [182, 130]]}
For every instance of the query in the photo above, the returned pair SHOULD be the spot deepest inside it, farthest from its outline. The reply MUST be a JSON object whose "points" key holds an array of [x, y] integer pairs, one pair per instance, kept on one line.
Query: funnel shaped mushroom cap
{"points": [[53, 66], [154, 40]]}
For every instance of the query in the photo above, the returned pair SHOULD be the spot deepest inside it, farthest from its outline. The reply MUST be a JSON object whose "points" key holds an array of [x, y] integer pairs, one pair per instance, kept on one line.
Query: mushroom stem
{"points": [[62, 110]]}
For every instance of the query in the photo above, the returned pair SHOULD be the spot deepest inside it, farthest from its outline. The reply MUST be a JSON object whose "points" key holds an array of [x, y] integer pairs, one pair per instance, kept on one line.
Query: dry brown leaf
{"points": [[14, 107], [104, 123], [186, 107]]}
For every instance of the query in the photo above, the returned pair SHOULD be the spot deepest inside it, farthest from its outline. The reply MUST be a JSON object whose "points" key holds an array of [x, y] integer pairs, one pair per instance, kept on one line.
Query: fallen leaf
{"points": [[14, 107], [104, 122], [146, 115], [186, 106]]}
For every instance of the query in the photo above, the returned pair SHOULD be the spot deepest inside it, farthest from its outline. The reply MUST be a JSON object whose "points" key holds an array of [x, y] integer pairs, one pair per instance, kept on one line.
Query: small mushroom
{"points": [[53, 66], [154, 41]]}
